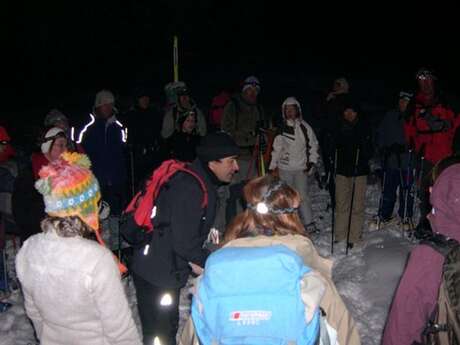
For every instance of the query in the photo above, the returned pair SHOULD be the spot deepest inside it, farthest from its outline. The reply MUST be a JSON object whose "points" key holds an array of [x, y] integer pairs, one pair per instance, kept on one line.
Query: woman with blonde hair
{"points": [[271, 219]]}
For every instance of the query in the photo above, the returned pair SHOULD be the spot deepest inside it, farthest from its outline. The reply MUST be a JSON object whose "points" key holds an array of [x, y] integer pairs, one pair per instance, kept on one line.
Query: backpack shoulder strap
{"points": [[307, 140], [186, 169], [143, 202]]}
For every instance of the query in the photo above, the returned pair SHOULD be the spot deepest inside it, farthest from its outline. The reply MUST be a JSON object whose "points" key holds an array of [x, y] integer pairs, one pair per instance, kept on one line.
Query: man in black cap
{"points": [[160, 267]]}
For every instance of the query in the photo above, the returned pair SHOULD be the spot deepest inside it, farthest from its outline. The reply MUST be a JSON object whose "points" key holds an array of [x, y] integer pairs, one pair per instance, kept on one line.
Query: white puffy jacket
{"points": [[73, 292], [290, 150]]}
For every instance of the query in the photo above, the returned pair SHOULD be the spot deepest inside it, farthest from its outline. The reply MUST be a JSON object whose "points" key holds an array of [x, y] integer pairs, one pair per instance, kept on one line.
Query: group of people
{"points": [[80, 297]]}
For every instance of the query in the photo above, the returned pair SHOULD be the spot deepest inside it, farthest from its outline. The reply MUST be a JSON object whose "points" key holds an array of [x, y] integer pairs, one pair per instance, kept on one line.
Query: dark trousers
{"points": [[425, 184], [3, 273], [115, 195], [157, 320], [394, 179]]}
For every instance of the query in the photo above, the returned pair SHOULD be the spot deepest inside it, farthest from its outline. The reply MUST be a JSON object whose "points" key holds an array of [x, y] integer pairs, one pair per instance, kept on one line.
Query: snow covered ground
{"points": [[366, 278]]}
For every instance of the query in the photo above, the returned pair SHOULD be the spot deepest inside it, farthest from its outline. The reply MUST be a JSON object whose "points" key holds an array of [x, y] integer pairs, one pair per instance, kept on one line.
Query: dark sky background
{"points": [[59, 53]]}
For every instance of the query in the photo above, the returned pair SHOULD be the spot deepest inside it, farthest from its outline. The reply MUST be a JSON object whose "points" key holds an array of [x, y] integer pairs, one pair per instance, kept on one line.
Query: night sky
{"points": [[60, 53]]}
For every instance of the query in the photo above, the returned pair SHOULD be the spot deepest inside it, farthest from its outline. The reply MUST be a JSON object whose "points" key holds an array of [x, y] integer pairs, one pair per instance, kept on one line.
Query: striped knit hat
{"points": [[69, 188]]}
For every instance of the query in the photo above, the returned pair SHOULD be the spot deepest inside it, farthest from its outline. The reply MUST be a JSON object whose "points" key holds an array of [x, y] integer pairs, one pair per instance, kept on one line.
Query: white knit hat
{"points": [[54, 116], [251, 82], [104, 97], [49, 138]]}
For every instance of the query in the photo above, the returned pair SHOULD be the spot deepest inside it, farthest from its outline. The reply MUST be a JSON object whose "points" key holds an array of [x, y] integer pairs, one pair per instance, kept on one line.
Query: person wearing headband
{"points": [[271, 218]]}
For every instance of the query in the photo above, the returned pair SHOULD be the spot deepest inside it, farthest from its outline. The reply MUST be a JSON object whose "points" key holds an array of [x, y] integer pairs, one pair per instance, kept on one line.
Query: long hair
{"points": [[253, 223], [70, 226]]}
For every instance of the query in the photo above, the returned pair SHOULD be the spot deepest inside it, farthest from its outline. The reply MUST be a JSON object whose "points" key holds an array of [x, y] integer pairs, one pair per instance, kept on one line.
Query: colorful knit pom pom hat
{"points": [[69, 188]]}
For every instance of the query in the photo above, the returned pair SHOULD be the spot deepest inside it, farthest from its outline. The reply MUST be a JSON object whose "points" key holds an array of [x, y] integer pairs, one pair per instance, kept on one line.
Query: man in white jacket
{"points": [[295, 154]]}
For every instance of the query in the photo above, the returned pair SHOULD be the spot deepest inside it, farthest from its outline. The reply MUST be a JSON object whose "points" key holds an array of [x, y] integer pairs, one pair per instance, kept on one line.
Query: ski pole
{"points": [[333, 173], [379, 212], [408, 187], [176, 59], [353, 186]]}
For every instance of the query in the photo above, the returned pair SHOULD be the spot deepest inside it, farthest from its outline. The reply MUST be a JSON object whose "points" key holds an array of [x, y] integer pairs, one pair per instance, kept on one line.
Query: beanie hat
{"points": [[104, 97], [182, 91], [69, 188], [216, 146], [445, 198], [405, 95], [49, 138], [251, 82], [424, 73], [142, 91], [183, 116], [53, 117], [351, 103], [343, 85]]}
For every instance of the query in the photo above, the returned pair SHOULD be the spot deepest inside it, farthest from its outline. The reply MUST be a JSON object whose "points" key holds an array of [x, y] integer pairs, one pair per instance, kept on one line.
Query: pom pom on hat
{"points": [[69, 188]]}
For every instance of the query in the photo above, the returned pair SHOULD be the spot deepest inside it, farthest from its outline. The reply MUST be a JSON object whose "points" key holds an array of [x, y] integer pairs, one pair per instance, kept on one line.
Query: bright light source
{"points": [[80, 136], [146, 249], [262, 208], [156, 341], [166, 300]]}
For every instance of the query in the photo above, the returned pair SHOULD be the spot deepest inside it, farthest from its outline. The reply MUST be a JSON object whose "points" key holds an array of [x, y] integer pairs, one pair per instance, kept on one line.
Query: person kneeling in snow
{"points": [[277, 223], [71, 284]]}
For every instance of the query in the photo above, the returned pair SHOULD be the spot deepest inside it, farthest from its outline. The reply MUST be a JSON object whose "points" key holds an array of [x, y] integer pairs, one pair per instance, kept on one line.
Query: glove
{"points": [[435, 123]]}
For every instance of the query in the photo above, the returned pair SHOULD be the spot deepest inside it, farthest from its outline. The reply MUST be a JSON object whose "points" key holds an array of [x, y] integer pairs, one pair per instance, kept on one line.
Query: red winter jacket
{"points": [[435, 144]]}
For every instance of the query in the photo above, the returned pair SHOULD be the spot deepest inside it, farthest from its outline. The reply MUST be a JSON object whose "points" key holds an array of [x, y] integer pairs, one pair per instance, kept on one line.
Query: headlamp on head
{"points": [[263, 207]]}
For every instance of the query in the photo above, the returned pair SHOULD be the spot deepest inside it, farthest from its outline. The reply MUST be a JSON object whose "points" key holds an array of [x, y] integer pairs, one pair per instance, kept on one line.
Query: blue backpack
{"points": [[251, 296]]}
